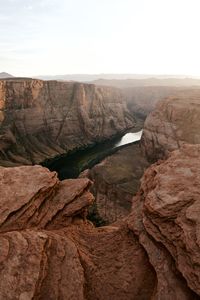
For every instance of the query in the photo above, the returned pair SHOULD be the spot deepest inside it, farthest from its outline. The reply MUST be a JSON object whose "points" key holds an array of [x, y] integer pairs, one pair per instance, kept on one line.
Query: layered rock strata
{"points": [[165, 216], [115, 181], [50, 251], [174, 122], [43, 119]]}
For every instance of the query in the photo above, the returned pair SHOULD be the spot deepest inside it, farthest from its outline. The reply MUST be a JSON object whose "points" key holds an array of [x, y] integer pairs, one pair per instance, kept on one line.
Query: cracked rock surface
{"points": [[48, 249], [165, 217]]}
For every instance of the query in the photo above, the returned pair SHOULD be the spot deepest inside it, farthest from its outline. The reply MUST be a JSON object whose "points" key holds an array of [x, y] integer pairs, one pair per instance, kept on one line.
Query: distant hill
{"points": [[128, 83], [5, 75], [109, 77], [89, 77], [127, 80], [122, 81]]}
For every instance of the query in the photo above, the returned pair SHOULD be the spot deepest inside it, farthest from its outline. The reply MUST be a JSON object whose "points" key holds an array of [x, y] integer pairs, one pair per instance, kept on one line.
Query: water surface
{"points": [[73, 164], [129, 138]]}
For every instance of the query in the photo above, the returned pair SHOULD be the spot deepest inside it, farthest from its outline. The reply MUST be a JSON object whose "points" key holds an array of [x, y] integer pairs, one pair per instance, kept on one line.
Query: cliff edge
{"points": [[43, 119], [50, 251], [175, 121]]}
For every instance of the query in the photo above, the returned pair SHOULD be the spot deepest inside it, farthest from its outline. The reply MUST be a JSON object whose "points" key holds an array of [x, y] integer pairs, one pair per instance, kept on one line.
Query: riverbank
{"points": [[71, 165], [115, 181]]}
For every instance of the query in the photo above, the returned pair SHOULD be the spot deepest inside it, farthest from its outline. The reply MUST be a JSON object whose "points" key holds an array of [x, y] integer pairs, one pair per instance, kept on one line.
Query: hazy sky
{"points": [[99, 36]]}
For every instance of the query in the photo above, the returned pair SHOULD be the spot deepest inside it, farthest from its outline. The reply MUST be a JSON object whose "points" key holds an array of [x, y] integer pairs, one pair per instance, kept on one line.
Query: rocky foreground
{"points": [[43, 119], [50, 251]]}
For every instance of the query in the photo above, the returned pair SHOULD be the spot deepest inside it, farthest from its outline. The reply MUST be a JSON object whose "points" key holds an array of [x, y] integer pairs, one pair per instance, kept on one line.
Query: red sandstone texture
{"points": [[165, 216], [175, 121], [50, 251], [43, 119]]}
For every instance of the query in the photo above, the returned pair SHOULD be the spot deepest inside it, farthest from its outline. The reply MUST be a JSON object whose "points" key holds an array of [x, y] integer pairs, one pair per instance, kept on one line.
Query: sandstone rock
{"points": [[39, 265], [34, 197], [115, 181], [141, 100], [164, 217], [74, 263], [174, 122], [142, 95], [43, 119], [115, 265], [49, 251]]}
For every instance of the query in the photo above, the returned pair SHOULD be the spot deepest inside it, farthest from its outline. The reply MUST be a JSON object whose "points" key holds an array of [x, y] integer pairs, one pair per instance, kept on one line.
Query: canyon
{"points": [[41, 120], [49, 248], [142, 95], [174, 122], [116, 180]]}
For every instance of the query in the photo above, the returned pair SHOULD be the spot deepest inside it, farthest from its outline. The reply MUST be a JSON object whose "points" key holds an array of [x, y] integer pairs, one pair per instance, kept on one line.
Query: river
{"points": [[128, 138], [72, 165]]}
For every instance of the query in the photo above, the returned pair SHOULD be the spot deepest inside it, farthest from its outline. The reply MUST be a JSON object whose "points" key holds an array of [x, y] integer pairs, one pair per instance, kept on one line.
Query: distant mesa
{"points": [[5, 75], [127, 80]]}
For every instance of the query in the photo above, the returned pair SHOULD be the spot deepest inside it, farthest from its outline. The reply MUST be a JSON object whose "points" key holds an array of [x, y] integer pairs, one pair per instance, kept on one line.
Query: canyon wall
{"points": [[175, 121], [49, 250], [142, 100], [165, 219], [115, 181], [143, 95], [44, 119]]}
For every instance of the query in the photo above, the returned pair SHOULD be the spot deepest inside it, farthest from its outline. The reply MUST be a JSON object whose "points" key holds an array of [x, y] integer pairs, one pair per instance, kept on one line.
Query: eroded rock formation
{"points": [[115, 181], [174, 122], [50, 251], [165, 217], [43, 119]]}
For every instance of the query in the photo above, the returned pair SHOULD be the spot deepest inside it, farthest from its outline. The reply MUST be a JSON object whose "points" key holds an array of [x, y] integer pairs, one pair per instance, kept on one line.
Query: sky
{"points": [[49, 37]]}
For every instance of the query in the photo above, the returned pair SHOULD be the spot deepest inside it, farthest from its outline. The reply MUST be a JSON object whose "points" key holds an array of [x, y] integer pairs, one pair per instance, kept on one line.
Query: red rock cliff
{"points": [[50, 251], [43, 119], [175, 121], [165, 217]]}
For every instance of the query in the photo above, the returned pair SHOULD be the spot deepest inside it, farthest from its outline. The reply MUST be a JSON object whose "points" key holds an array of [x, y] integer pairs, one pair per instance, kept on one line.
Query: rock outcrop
{"points": [[115, 181], [175, 121], [44, 119], [48, 249], [26, 198], [165, 217]]}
